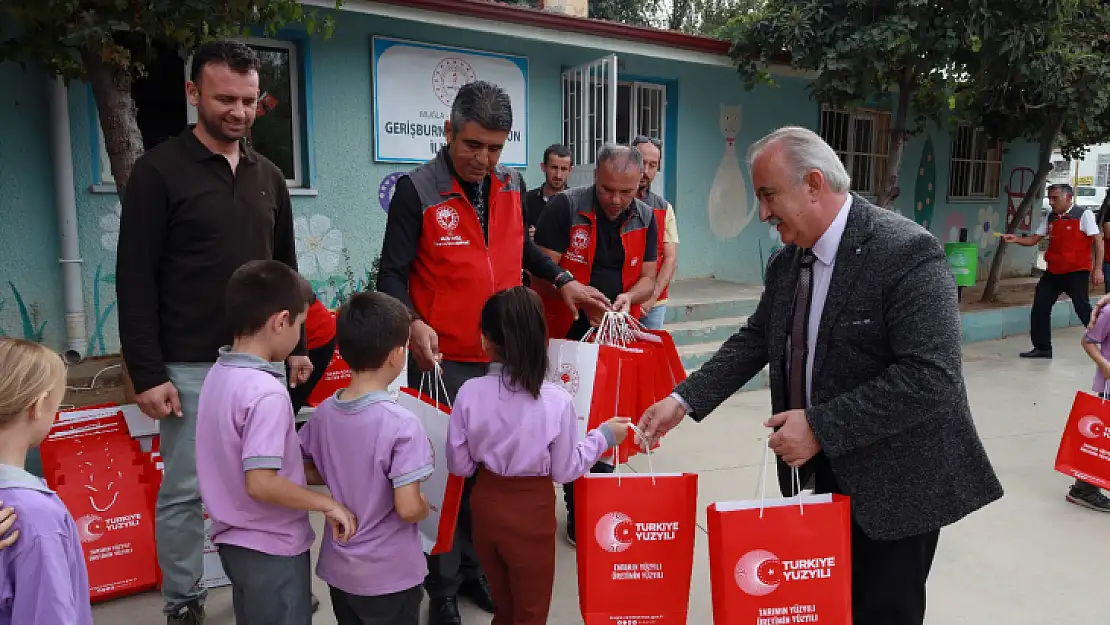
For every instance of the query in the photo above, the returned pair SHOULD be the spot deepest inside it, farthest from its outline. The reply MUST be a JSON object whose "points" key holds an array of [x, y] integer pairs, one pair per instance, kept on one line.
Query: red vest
{"points": [[455, 270], [1069, 248], [659, 207], [319, 325], [578, 258]]}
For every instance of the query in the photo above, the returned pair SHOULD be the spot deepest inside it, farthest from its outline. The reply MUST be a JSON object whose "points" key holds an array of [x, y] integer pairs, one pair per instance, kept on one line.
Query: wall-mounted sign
{"points": [[415, 85], [1084, 180]]}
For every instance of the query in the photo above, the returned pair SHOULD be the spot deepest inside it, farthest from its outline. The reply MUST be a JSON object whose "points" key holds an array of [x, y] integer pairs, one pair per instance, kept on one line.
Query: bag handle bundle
{"points": [[795, 480]]}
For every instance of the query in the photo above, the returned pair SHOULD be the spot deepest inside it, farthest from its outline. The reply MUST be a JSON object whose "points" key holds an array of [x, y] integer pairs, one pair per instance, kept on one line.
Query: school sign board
{"points": [[415, 85]]}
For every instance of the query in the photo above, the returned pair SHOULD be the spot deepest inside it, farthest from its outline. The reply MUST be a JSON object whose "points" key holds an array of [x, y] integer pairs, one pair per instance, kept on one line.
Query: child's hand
{"points": [[342, 522], [619, 427], [1105, 370]]}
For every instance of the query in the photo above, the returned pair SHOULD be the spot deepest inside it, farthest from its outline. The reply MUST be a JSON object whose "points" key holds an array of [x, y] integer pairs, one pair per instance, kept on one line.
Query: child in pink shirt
{"points": [[372, 454], [42, 574], [249, 464], [519, 432]]}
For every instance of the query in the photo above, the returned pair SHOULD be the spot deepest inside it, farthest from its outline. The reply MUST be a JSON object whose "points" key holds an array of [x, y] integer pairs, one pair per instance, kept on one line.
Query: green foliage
{"points": [[27, 319]]}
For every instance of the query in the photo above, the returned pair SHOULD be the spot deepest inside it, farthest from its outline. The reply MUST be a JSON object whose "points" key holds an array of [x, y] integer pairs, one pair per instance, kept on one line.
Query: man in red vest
{"points": [[655, 309], [607, 238], [1071, 231], [456, 235]]}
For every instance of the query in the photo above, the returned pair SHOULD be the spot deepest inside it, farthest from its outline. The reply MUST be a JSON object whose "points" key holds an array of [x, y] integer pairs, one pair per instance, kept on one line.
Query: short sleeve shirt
{"points": [[670, 227], [1087, 223], [245, 422]]}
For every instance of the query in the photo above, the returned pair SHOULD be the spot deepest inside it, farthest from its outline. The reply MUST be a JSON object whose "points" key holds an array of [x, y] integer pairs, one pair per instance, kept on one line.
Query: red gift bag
{"points": [[781, 560], [1085, 446], [635, 547], [336, 377]]}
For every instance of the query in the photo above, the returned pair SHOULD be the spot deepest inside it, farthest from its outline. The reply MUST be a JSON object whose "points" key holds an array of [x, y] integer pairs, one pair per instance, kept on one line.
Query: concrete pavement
{"points": [[1030, 558]]}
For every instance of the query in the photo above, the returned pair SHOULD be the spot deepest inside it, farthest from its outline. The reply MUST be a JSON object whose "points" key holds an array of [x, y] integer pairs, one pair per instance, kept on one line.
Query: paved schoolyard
{"points": [[1030, 558]]}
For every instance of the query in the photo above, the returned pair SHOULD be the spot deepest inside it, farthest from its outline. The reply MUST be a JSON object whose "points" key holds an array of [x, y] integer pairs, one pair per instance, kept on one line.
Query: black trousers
{"points": [[888, 576], [321, 358], [446, 572], [399, 608], [1049, 289]]}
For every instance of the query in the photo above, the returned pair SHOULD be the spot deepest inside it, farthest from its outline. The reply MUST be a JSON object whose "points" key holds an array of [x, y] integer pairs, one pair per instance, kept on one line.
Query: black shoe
{"points": [[477, 590], [444, 612], [1037, 353], [315, 604], [189, 614], [1089, 497]]}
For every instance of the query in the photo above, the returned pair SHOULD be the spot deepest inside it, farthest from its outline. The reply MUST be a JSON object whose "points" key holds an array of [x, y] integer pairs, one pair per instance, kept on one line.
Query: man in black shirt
{"points": [[196, 208], [556, 170], [623, 234], [455, 234]]}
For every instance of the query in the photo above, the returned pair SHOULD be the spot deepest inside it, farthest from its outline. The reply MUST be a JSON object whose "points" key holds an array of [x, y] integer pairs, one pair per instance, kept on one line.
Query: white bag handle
{"points": [[795, 479], [647, 450]]}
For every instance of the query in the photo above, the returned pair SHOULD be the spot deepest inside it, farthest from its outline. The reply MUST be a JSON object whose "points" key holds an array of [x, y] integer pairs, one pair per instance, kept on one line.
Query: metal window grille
{"points": [[1102, 174], [975, 168], [861, 137]]}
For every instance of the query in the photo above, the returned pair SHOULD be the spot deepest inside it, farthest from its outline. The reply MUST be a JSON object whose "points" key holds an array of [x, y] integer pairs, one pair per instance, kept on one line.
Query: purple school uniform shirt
{"points": [[245, 422], [513, 434], [1100, 334], [42, 576], [365, 448]]}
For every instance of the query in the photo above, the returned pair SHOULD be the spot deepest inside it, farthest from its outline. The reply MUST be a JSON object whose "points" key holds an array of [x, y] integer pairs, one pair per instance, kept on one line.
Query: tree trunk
{"points": [[680, 10], [898, 136], [1044, 167], [122, 139]]}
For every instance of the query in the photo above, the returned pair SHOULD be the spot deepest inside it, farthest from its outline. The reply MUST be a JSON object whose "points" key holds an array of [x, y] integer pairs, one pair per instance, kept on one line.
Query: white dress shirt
{"points": [[825, 250]]}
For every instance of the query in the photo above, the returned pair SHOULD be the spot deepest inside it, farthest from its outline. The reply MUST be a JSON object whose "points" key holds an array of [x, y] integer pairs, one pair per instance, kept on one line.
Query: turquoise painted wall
{"points": [[345, 220]]}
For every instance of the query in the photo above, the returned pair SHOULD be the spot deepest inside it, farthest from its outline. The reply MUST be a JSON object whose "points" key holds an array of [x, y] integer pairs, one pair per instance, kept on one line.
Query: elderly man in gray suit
{"points": [[860, 326]]}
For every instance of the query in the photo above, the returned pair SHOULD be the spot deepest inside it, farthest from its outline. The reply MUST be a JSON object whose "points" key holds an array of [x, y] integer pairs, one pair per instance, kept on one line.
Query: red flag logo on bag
{"points": [[616, 532], [1091, 426], [90, 528], [760, 572]]}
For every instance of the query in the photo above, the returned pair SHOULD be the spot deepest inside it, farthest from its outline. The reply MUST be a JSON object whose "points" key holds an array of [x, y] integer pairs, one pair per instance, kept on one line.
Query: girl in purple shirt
{"points": [[518, 433], [42, 575]]}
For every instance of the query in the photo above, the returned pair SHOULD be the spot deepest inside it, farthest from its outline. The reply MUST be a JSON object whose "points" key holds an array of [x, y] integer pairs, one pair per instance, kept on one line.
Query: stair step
{"points": [[694, 332], [726, 307]]}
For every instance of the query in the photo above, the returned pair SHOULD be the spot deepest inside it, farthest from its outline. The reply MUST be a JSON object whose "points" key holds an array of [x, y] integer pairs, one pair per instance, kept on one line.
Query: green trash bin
{"points": [[964, 260]]}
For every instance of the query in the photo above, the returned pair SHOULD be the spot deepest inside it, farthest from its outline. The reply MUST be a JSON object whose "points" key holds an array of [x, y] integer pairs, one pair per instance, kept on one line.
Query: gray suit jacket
{"points": [[889, 404]]}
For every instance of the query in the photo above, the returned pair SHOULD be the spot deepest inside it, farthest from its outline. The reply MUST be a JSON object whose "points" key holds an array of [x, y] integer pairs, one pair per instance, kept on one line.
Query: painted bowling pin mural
{"points": [[730, 208]]}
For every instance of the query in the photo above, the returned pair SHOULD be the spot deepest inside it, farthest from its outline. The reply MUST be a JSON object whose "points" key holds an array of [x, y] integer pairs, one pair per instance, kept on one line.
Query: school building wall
{"points": [[343, 213]]}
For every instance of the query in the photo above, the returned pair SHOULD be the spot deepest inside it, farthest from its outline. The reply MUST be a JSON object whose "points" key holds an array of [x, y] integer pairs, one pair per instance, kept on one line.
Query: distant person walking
{"points": [[1072, 231]]}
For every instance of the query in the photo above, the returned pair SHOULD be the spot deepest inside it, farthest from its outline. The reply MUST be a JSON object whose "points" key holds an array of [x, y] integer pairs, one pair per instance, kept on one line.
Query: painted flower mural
{"points": [[989, 221], [109, 226], [319, 246]]}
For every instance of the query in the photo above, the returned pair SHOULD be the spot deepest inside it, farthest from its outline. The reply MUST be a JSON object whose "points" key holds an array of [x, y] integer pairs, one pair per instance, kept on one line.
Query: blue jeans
{"points": [[653, 320]]}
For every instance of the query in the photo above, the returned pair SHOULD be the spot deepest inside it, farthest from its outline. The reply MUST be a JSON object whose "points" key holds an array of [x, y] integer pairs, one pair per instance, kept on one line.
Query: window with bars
{"points": [[861, 137], [975, 168], [1102, 174]]}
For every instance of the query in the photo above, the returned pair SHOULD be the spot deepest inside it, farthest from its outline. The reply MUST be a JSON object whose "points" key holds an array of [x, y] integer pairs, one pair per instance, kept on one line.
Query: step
{"points": [[692, 332], [703, 299], [696, 355]]}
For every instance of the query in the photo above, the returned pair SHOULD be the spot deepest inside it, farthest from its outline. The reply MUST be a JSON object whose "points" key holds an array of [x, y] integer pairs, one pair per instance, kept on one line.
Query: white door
{"points": [[589, 114], [648, 116]]}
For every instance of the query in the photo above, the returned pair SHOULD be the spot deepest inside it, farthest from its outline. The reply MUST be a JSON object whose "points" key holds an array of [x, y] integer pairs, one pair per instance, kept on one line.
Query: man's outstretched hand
{"points": [[661, 418], [577, 295]]}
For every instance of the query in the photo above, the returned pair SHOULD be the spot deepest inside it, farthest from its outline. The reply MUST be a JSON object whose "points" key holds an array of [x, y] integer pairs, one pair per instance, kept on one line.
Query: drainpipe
{"points": [[65, 197]]}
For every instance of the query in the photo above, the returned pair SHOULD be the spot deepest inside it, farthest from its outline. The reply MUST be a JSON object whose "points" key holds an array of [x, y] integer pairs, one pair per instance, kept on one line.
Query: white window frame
{"points": [[293, 50], [878, 153], [1102, 171], [978, 136]]}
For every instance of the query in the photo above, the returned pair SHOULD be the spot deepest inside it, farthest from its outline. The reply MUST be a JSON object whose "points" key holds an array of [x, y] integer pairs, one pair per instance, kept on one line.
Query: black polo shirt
{"points": [[553, 233], [534, 203], [187, 224]]}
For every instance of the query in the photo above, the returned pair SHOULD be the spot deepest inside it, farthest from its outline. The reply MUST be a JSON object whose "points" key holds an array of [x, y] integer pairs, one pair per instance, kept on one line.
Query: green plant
{"points": [[30, 332]]}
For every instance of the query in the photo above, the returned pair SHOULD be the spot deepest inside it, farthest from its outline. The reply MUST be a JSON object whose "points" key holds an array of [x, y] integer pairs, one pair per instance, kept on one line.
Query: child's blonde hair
{"points": [[27, 371]]}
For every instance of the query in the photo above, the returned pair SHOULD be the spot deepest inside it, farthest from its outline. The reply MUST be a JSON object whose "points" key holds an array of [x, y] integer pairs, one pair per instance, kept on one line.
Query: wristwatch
{"points": [[563, 279]]}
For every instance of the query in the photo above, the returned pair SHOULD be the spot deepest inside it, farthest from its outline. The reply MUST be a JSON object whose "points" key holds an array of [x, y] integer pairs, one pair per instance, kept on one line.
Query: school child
{"points": [[519, 432], [42, 574], [372, 454], [1096, 342], [249, 463]]}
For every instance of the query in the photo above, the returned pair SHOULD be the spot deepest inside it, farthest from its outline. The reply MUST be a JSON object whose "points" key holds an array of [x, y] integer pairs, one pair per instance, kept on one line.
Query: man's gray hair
{"points": [[621, 157], [804, 151], [483, 103]]}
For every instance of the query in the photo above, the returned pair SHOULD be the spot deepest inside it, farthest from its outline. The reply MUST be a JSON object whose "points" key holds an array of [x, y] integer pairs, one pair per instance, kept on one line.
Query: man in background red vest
{"points": [[655, 309], [1071, 231], [607, 238], [456, 235]]}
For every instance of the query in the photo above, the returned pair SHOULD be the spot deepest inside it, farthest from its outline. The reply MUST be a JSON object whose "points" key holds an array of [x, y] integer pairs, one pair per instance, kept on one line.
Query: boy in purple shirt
{"points": [[372, 454], [248, 456], [1096, 342], [42, 575]]}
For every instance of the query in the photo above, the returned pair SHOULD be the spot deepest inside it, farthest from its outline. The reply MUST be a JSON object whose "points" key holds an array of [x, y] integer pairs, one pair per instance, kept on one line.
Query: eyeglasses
{"points": [[641, 139]]}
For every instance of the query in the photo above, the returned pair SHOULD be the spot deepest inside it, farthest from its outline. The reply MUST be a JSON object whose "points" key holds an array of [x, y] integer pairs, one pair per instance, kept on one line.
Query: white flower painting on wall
{"points": [[319, 246], [109, 225], [989, 222]]}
